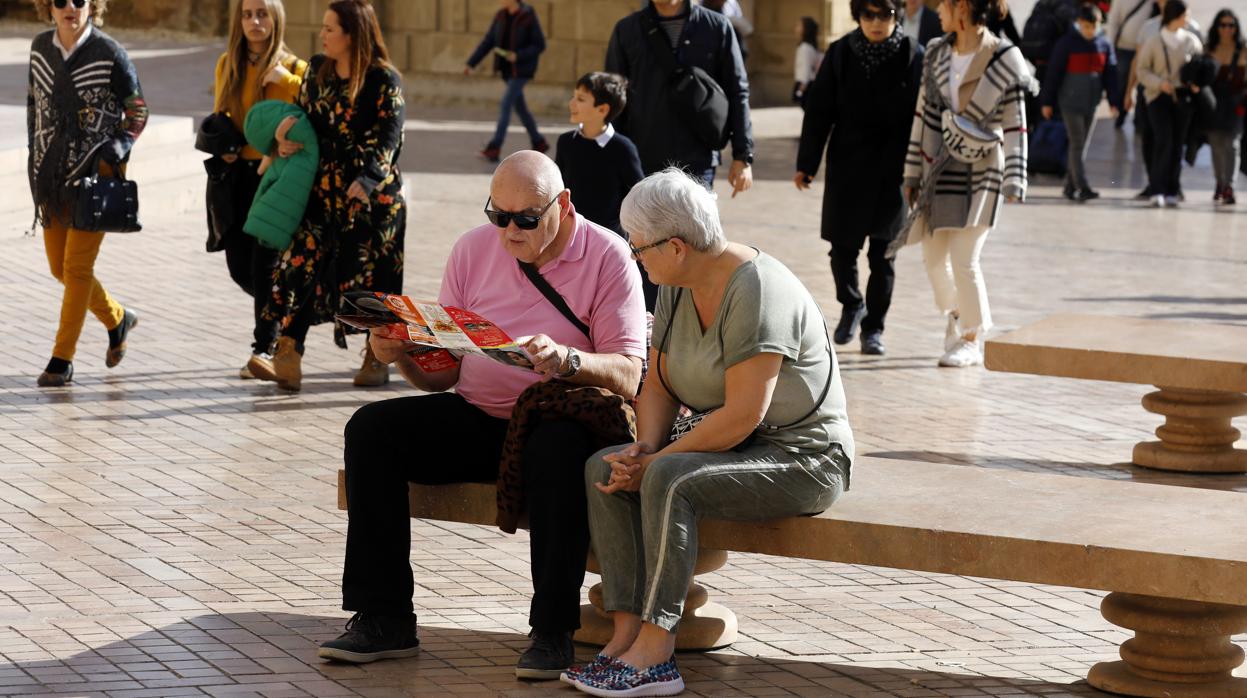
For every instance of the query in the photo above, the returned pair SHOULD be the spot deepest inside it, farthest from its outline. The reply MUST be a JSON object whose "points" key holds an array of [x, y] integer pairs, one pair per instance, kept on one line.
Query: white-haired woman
{"points": [[739, 339]]}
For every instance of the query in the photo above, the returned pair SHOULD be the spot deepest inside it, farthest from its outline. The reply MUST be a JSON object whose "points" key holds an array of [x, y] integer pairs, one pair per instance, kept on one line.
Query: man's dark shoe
{"points": [[872, 343], [371, 636], [550, 655], [1145, 194], [847, 327], [541, 146], [1070, 193], [1088, 195]]}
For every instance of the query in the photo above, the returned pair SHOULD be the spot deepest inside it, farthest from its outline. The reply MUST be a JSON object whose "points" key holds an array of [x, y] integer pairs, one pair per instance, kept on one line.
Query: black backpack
{"points": [[1048, 21]]}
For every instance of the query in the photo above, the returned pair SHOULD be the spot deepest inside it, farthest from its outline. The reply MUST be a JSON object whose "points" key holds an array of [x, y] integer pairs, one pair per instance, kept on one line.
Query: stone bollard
{"points": [[705, 625], [1181, 649], [1196, 436]]}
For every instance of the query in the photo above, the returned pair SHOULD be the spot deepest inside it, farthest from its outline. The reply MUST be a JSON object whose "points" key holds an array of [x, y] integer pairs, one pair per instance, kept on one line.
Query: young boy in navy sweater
{"points": [[600, 166], [1082, 68]]}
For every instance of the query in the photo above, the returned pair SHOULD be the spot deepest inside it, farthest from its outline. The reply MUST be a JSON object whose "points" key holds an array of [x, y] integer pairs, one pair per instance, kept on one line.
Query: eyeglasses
{"points": [[523, 221], [872, 16], [636, 251], [60, 4]]}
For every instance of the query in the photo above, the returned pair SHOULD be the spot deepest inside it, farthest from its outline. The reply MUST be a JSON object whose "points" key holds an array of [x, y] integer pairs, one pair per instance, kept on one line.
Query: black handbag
{"points": [[107, 204], [698, 99]]}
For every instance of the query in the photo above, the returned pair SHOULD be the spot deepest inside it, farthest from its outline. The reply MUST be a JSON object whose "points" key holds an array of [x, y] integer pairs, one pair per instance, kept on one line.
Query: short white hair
{"points": [[672, 204]]}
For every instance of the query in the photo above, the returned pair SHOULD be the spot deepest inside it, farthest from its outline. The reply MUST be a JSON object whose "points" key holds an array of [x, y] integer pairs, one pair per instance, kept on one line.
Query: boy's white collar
{"points": [[603, 138]]}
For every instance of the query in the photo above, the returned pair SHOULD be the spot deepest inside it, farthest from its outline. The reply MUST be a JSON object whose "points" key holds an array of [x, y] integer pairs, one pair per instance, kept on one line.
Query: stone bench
{"points": [[1175, 559], [1200, 370]]}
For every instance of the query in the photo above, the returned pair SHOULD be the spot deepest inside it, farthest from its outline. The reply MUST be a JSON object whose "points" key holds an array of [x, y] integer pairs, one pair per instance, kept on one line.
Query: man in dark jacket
{"points": [[516, 40], [698, 37], [862, 100]]}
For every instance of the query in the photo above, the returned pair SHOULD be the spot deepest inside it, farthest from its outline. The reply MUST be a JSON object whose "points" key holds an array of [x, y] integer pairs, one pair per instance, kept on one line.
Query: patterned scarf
{"points": [[871, 55]]}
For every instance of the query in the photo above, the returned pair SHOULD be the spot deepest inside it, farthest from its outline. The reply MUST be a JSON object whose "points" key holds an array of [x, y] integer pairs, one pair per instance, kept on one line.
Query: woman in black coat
{"points": [[863, 98]]}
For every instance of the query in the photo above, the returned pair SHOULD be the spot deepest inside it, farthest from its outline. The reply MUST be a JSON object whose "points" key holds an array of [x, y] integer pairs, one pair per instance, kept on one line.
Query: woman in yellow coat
{"points": [[256, 66]]}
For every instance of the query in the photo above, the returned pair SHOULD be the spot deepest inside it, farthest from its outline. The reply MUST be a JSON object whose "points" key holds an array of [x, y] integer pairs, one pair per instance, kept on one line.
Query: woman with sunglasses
{"points": [[1229, 50], [84, 110], [256, 66], [353, 231], [972, 73], [739, 338], [862, 101]]}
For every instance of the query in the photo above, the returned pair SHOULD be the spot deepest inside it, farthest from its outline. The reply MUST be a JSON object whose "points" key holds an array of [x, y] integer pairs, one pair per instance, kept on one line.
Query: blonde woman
{"points": [[256, 66], [84, 110]]}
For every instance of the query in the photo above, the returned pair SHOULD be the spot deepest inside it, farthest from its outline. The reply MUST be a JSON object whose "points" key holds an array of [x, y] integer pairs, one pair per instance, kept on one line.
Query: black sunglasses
{"points": [[60, 4], [872, 16], [523, 221], [636, 251]]}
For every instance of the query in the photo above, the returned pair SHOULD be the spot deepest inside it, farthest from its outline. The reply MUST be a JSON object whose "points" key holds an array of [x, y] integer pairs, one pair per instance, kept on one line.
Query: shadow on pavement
{"points": [[275, 653]]}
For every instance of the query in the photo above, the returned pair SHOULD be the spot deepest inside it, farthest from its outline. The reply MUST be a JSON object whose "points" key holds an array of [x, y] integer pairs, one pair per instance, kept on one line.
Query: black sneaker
{"points": [[550, 655], [872, 343], [847, 327], [1070, 193], [370, 636], [1088, 195]]}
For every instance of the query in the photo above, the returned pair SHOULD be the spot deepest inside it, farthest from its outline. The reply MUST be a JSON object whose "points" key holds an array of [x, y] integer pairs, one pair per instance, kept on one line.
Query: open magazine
{"points": [[438, 335]]}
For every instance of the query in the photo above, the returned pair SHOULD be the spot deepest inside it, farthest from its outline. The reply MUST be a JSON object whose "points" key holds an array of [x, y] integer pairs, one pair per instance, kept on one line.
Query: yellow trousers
{"points": [[71, 258]]}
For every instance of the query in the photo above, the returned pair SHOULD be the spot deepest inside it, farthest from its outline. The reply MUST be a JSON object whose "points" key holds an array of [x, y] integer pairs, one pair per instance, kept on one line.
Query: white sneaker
{"points": [[1172, 201], [965, 353], [952, 333], [1158, 201]]}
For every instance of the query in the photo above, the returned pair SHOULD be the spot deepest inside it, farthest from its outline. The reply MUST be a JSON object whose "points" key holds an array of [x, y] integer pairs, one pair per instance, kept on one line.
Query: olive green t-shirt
{"points": [[767, 309]]}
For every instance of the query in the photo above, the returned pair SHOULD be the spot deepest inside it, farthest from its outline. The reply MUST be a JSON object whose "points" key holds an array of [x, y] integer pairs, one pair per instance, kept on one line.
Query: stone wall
{"points": [[194, 16], [431, 39]]}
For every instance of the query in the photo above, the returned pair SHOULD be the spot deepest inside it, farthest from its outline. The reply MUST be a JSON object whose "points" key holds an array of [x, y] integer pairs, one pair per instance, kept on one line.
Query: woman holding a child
{"points": [[352, 234], [737, 335]]}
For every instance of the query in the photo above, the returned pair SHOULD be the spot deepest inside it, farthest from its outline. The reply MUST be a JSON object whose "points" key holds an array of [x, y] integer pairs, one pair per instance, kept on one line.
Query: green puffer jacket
{"points": [[278, 207]]}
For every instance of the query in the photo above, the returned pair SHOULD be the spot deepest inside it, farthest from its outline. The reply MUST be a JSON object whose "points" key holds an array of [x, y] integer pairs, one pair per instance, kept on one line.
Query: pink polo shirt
{"points": [[595, 274]]}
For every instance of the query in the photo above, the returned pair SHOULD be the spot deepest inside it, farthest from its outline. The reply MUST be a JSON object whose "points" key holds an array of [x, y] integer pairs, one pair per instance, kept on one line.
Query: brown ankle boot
{"points": [[284, 367], [373, 373]]}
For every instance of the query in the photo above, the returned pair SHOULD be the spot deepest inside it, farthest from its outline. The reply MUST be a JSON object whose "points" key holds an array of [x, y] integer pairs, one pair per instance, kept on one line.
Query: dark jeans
{"points": [[1078, 126], [878, 288], [1143, 125], [457, 442], [251, 264], [513, 98], [1125, 57], [1169, 122]]}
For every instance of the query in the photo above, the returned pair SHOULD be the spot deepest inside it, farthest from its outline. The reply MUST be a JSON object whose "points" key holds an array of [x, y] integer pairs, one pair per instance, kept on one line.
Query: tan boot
{"points": [[373, 373], [284, 367]]}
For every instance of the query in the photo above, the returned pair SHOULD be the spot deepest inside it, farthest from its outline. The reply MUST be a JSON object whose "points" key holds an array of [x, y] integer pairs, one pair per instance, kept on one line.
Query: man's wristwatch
{"points": [[573, 364]]}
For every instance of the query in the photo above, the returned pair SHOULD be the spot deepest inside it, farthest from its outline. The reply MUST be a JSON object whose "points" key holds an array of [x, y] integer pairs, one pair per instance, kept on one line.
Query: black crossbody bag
{"points": [[683, 425], [698, 99], [553, 296]]}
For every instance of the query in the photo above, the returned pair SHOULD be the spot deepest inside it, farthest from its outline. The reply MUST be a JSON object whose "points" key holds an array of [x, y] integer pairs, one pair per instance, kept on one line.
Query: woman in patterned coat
{"points": [[976, 75], [84, 110], [353, 230]]}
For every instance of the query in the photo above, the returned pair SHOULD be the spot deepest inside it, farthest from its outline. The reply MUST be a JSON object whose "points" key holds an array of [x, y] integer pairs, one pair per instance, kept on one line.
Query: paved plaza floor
{"points": [[168, 529]]}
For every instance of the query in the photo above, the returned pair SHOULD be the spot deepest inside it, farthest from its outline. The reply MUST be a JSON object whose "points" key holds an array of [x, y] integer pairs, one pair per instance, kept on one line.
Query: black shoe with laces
{"points": [[547, 657], [872, 343], [371, 636], [1088, 195], [847, 327]]}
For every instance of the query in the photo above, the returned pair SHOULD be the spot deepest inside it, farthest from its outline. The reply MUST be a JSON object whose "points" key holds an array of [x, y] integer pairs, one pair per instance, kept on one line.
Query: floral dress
{"points": [[342, 244]]}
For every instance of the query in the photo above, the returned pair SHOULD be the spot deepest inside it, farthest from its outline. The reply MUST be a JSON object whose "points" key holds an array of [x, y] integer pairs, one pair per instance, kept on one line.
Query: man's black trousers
{"points": [[439, 439]]}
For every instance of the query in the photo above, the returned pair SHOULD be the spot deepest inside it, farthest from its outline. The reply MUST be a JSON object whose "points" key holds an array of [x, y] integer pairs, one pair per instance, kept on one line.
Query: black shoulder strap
{"points": [[1122, 27], [658, 41], [553, 296]]}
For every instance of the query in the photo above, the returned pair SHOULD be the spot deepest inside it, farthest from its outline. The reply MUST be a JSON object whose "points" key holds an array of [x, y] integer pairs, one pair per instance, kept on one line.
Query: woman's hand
{"points": [[1046, 111], [802, 180], [387, 351], [1128, 104], [740, 176], [1167, 88], [286, 148], [277, 74], [627, 469], [356, 191], [1194, 89]]}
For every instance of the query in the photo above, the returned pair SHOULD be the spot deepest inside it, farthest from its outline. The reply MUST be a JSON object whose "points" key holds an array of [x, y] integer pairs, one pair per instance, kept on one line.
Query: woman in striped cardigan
{"points": [[983, 78]]}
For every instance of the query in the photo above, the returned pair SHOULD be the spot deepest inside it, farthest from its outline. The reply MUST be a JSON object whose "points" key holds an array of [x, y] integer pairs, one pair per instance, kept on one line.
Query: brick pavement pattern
{"points": [[167, 529]]}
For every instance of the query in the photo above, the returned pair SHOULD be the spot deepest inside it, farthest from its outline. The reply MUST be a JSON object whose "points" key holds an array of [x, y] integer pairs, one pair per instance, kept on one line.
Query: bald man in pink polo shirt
{"points": [[457, 436]]}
